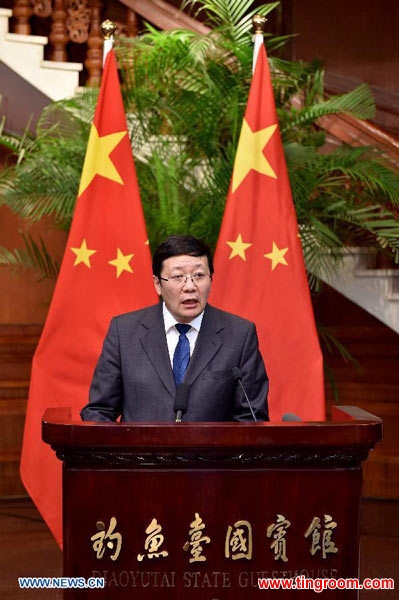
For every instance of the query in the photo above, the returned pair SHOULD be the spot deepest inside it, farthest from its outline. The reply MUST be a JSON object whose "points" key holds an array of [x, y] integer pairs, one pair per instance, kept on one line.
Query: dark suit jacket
{"points": [[134, 378]]}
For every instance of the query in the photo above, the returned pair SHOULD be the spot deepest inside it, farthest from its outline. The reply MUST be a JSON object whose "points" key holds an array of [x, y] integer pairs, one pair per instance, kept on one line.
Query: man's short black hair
{"points": [[176, 245]]}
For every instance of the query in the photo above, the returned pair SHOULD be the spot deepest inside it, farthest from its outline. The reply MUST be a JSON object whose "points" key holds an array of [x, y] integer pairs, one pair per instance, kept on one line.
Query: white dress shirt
{"points": [[172, 335]]}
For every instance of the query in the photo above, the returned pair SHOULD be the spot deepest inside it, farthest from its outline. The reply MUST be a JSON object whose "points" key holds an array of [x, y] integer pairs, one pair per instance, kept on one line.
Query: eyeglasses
{"points": [[180, 280]]}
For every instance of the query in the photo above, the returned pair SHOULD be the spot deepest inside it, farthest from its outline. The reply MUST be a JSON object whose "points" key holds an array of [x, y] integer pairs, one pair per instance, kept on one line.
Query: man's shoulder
{"points": [[138, 316], [226, 318]]}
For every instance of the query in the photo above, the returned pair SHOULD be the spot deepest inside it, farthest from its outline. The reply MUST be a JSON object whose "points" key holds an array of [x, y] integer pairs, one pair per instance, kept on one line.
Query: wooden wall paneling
{"points": [[17, 345], [372, 383], [357, 42]]}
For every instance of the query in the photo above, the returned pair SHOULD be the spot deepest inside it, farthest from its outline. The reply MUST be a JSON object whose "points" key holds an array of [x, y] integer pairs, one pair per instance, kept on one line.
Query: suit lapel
{"points": [[208, 344], [153, 340]]}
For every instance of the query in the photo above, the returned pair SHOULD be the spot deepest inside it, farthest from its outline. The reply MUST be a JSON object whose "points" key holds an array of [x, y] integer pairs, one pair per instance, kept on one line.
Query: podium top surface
{"points": [[350, 426]]}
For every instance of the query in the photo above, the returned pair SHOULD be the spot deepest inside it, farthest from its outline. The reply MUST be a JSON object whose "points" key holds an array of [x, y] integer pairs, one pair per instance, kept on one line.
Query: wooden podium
{"points": [[199, 511]]}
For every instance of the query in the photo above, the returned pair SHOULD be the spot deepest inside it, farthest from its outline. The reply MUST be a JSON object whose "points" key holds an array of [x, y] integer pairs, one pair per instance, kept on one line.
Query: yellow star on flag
{"points": [[83, 254], [277, 256], [238, 248], [250, 153], [121, 262], [98, 161]]}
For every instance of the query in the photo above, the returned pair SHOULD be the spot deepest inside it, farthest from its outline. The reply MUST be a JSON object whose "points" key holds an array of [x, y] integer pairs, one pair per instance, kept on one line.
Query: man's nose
{"points": [[189, 283]]}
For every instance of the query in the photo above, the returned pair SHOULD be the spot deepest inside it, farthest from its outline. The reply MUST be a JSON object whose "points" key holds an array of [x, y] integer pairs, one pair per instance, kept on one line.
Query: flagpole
{"points": [[108, 29], [258, 23]]}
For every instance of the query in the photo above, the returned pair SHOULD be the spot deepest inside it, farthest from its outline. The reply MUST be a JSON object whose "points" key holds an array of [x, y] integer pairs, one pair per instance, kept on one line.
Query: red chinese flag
{"points": [[259, 266], [106, 270]]}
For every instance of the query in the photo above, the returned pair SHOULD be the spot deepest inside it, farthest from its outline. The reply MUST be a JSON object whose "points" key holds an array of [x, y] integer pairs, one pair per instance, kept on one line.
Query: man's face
{"points": [[185, 299]]}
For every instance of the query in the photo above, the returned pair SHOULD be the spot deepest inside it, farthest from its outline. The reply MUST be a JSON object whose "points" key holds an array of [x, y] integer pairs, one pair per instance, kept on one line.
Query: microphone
{"points": [[181, 401], [290, 417], [236, 372]]}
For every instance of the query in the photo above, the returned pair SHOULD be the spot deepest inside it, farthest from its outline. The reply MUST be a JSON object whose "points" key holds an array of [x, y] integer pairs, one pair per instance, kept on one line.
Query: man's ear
{"points": [[157, 285]]}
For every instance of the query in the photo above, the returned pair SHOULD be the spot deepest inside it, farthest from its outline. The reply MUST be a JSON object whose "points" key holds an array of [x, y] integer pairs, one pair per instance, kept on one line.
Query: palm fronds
{"points": [[34, 256], [185, 96], [45, 180]]}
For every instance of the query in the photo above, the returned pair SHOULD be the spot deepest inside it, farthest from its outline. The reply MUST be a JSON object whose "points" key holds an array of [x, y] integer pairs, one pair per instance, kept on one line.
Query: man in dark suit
{"points": [[149, 352]]}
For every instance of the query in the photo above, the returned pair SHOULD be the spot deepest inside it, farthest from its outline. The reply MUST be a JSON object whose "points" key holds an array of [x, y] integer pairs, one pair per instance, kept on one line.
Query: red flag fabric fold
{"points": [[259, 267], [106, 270]]}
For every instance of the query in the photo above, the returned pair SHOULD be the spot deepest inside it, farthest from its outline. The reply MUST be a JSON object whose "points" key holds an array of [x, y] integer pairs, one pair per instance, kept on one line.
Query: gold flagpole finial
{"points": [[108, 29], [258, 23]]}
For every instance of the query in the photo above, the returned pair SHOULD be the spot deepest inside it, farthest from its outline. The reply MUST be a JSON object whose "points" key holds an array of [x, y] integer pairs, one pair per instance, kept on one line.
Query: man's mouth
{"points": [[190, 302]]}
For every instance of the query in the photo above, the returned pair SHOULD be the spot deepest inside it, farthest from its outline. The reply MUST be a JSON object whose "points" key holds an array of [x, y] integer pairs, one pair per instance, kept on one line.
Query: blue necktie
{"points": [[181, 357]]}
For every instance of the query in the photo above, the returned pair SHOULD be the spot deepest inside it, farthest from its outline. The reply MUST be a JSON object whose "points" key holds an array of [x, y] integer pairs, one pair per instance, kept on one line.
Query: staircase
{"points": [[374, 289], [23, 54]]}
